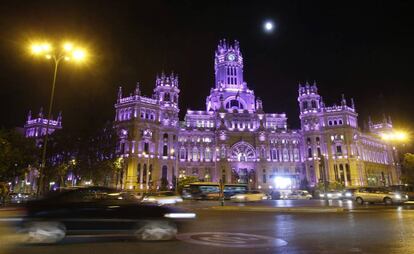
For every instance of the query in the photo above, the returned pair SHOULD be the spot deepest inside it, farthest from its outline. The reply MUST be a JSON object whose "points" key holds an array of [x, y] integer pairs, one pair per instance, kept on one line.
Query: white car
{"points": [[299, 194], [249, 196], [162, 198], [331, 195]]}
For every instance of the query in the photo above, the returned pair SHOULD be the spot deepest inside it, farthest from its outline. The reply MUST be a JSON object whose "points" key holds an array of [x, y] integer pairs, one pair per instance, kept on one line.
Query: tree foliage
{"points": [[16, 154], [407, 171]]}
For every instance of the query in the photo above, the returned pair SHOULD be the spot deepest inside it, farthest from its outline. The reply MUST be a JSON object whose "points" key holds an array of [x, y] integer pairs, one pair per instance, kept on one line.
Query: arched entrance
{"points": [[243, 158]]}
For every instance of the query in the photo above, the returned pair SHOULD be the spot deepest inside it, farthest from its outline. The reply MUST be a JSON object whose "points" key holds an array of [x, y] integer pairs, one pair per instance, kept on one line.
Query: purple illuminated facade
{"points": [[235, 141], [36, 127]]}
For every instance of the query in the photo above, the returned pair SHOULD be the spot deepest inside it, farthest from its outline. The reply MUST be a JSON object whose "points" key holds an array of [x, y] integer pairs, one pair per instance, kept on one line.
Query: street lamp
{"points": [[67, 52], [148, 171], [176, 169]]}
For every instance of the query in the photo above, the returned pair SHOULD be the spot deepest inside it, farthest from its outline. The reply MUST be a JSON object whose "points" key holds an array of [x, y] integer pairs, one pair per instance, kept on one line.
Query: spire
{"points": [[322, 104], [369, 122], [389, 119], [41, 112], [137, 90], [352, 103], [59, 118], [384, 118], [29, 115], [119, 92], [343, 100]]}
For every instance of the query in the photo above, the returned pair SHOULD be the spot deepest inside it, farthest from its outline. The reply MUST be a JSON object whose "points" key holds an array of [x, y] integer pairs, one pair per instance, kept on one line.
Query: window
{"points": [[146, 147], [264, 176], [310, 152], [318, 140], [339, 149], [340, 122], [348, 174], [330, 123], [165, 150], [182, 153], [139, 173], [308, 141], [274, 156], [195, 154], [314, 104], [165, 136], [144, 174], [319, 151], [164, 172], [285, 154]]}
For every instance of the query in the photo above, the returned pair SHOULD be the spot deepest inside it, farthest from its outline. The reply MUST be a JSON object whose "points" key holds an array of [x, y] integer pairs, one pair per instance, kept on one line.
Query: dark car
{"points": [[98, 210], [406, 188]]}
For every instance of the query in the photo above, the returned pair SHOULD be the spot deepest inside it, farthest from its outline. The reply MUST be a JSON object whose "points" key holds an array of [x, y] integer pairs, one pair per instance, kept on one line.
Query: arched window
{"points": [[310, 152], [285, 154], [195, 154], [274, 154], [165, 136], [296, 154], [182, 153], [207, 154], [165, 150], [314, 104], [166, 97]]}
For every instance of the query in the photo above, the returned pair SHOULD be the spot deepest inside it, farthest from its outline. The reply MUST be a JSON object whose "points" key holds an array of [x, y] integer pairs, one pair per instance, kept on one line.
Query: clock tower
{"points": [[229, 65]]}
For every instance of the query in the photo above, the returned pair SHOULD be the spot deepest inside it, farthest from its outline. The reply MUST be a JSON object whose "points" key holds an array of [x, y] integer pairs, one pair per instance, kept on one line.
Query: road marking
{"points": [[231, 240]]}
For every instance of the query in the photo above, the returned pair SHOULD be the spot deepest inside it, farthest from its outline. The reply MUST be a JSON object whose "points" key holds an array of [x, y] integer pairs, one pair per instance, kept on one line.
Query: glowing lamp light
{"points": [[398, 136], [79, 54], [68, 46], [282, 182]]}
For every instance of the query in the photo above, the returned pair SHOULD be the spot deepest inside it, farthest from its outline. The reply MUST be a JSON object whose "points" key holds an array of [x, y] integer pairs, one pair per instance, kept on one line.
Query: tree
{"points": [[407, 170], [16, 154]]}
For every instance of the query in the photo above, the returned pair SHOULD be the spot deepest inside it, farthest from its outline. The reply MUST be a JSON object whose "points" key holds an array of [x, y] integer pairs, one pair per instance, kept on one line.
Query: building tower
{"points": [[228, 65], [310, 108]]}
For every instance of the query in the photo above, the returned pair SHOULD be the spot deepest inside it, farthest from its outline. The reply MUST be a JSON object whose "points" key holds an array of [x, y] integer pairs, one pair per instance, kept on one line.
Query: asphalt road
{"points": [[378, 229]]}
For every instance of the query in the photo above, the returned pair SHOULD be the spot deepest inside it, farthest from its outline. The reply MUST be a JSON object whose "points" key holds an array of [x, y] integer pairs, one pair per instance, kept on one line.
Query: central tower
{"points": [[230, 90], [228, 65]]}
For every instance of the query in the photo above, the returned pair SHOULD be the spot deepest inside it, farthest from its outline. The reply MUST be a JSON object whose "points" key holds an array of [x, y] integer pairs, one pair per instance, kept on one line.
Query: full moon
{"points": [[268, 26]]}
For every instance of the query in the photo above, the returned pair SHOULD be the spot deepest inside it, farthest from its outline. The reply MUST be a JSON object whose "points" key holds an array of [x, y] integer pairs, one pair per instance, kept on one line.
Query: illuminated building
{"points": [[234, 140]]}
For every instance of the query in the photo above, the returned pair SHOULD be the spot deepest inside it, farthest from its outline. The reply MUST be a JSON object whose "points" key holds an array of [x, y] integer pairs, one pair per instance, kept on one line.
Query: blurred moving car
{"points": [[162, 198], [379, 195], [331, 195], [97, 210], [348, 193], [249, 196], [298, 194], [406, 188]]}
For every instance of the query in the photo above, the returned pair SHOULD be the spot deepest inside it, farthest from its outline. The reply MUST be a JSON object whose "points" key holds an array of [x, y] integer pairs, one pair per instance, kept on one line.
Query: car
{"points": [[348, 194], [298, 194], [379, 195], [17, 198], [407, 188], [331, 195], [97, 210], [249, 196], [162, 198], [274, 195]]}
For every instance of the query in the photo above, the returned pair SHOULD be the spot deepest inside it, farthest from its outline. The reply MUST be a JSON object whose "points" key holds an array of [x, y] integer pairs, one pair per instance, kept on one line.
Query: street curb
{"points": [[277, 209]]}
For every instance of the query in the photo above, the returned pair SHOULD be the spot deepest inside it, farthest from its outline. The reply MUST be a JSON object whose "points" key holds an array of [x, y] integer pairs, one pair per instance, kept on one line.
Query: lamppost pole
{"points": [[40, 187]]}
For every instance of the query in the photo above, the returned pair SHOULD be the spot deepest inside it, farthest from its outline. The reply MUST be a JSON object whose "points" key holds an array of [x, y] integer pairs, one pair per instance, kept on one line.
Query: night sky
{"points": [[363, 49]]}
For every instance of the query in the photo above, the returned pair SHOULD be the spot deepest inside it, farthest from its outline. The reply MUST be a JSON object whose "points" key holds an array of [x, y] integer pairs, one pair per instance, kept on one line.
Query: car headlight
{"points": [[329, 195], [179, 200], [348, 194], [340, 194], [264, 197], [321, 195], [397, 196], [149, 199], [241, 197], [180, 215], [406, 196]]}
